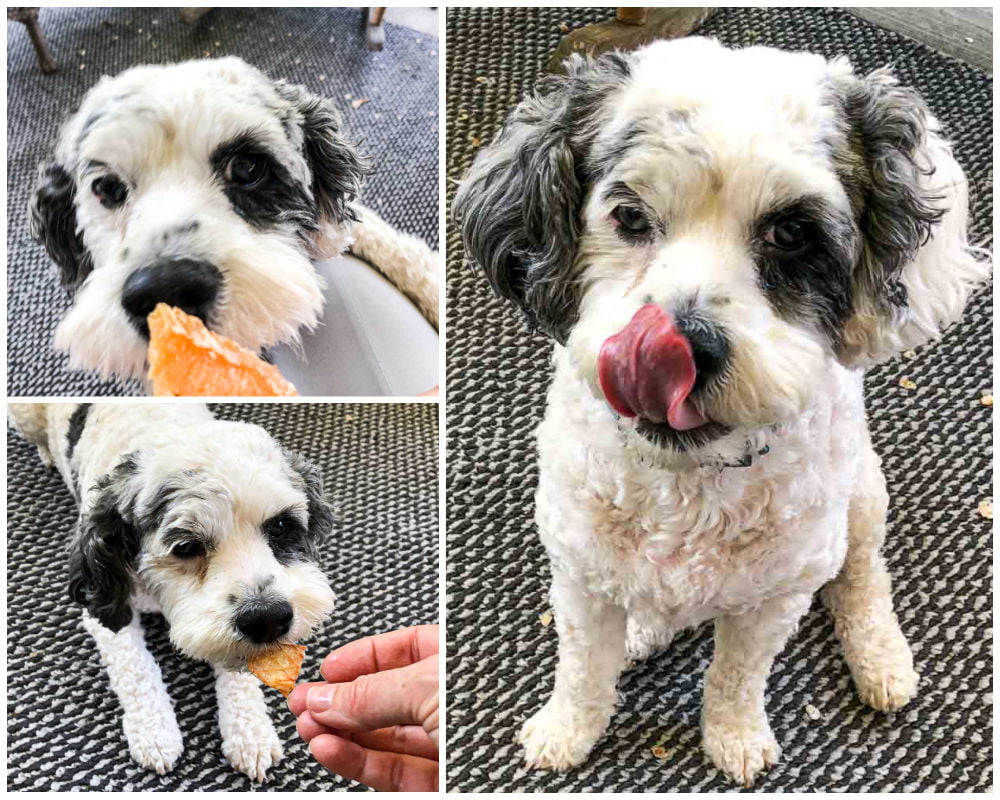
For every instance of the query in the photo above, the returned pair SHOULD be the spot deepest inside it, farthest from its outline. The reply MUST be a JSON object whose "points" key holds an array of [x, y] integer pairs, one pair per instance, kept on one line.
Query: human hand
{"points": [[375, 720]]}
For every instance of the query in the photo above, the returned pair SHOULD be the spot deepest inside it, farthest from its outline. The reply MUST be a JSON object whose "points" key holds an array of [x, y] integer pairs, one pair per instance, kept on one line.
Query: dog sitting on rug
{"points": [[719, 242]]}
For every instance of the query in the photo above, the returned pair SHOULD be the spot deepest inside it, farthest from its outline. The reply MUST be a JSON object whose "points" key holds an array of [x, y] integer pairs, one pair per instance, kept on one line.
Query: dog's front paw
{"points": [[155, 743], [887, 684], [741, 748], [254, 752], [558, 739]]}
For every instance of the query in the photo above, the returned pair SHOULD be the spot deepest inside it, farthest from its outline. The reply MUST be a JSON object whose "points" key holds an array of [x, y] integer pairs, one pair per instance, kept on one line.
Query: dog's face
{"points": [[222, 530], [707, 231], [203, 185]]}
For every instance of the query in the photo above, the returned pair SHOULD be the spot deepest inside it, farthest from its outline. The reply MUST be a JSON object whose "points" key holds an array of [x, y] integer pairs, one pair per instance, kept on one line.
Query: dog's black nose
{"points": [[709, 345], [191, 286], [263, 622]]}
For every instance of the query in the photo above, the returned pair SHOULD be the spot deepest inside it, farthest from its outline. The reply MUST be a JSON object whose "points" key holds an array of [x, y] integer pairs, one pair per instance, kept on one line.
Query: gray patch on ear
{"points": [[883, 166], [519, 206], [104, 552], [338, 168], [321, 515], [53, 224]]}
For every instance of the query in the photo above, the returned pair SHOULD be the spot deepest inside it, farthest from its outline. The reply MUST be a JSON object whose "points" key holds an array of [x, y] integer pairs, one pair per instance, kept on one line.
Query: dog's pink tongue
{"points": [[647, 370]]}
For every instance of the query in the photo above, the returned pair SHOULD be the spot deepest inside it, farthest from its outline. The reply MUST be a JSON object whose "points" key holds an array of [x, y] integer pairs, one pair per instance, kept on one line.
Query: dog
{"points": [[211, 524], [207, 186], [719, 241]]}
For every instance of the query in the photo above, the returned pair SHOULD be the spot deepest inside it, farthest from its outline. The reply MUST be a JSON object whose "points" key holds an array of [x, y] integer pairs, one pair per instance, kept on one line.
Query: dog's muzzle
{"points": [[263, 621], [189, 285], [651, 367]]}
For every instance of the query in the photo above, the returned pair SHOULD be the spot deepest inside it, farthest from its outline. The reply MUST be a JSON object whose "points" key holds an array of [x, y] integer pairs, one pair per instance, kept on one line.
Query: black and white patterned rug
{"points": [[64, 733], [935, 441], [322, 49]]}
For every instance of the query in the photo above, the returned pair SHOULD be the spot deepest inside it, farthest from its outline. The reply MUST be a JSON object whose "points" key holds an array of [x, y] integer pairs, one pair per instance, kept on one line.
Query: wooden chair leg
{"points": [[375, 34], [631, 28], [192, 14], [29, 17]]}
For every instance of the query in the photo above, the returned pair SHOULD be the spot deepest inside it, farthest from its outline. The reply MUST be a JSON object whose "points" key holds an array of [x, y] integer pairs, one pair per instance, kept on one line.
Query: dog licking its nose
{"points": [[189, 285], [264, 621], [647, 370]]}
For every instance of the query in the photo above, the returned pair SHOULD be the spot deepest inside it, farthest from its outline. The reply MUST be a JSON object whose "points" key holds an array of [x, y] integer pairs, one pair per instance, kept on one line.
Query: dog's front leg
{"points": [[154, 740], [591, 655], [249, 740], [736, 733], [860, 599]]}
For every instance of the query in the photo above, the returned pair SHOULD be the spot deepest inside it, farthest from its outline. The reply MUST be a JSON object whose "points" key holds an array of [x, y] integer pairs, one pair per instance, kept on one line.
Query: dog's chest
{"points": [[698, 542]]}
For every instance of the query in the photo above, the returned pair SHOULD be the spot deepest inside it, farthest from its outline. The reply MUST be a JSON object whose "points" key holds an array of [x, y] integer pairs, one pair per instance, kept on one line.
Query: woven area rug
{"points": [[321, 49], [64, 731], [935, 441]]}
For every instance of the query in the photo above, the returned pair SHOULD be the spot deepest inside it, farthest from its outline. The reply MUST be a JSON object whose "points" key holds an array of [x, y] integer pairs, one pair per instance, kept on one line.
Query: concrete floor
{"points": [[424, 20]]}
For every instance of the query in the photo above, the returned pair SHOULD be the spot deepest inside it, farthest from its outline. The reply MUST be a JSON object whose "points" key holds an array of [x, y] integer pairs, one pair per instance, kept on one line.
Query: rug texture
{"points": [[322, 49], [64, 729], [935, 441]]}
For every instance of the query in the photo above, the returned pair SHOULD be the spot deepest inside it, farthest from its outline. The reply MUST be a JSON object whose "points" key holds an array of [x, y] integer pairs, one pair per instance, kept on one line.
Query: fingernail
{"points": [[318, 699]]}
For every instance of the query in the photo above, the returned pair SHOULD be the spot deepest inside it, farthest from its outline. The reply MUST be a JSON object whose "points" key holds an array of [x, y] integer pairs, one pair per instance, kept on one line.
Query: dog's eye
{"points": [[187, 550], [282, 526], [789, 234], [631, 218], [247, 170], [110, 191]]}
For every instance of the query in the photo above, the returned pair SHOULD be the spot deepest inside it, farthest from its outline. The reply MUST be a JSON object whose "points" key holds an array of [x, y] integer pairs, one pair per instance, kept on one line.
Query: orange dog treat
{"points": [[188, 360], [279, 668]]}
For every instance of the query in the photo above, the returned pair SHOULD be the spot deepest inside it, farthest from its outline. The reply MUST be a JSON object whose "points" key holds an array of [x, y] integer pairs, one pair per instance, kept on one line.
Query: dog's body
{"points": [[211, 524], [210, 187], [719, 241]]}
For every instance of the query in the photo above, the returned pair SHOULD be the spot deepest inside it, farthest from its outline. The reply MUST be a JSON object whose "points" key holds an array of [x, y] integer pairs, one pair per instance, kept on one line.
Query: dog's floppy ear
{"points": [[53, 223], [519, 206], [337, 167], [103, 556], [914, 269], [321, 516]]}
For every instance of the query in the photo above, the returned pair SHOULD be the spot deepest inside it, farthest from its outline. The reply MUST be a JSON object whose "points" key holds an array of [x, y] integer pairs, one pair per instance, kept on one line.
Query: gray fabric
{"points": [[322, 49], [64, 733], [935, 442], [371, 340]]}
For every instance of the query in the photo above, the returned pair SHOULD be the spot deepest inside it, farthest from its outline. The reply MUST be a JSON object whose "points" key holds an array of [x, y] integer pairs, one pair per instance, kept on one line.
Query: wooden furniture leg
{"points": [[631, 28], [376, 34], [193, 14], [29, 17]]}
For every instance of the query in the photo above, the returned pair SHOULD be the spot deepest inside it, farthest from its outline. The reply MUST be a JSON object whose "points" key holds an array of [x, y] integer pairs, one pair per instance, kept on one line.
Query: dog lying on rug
{"points": [[209, 187], [719, 242], [210, 523]]}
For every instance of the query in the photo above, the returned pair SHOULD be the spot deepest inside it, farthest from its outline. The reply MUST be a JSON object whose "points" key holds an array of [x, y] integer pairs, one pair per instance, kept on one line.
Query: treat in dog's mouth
{"points": [[647, 370], [278, 667], [188, 360]]}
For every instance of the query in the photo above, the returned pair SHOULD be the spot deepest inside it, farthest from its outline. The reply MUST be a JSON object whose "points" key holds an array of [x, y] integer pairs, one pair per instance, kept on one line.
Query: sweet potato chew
{"points": [[279, 668], [188, 360]]}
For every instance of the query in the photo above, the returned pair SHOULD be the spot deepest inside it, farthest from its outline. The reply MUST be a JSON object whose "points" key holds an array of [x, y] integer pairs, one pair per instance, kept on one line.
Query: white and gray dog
{"points": [[719, 241], [210, 187], [210, 523]]}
